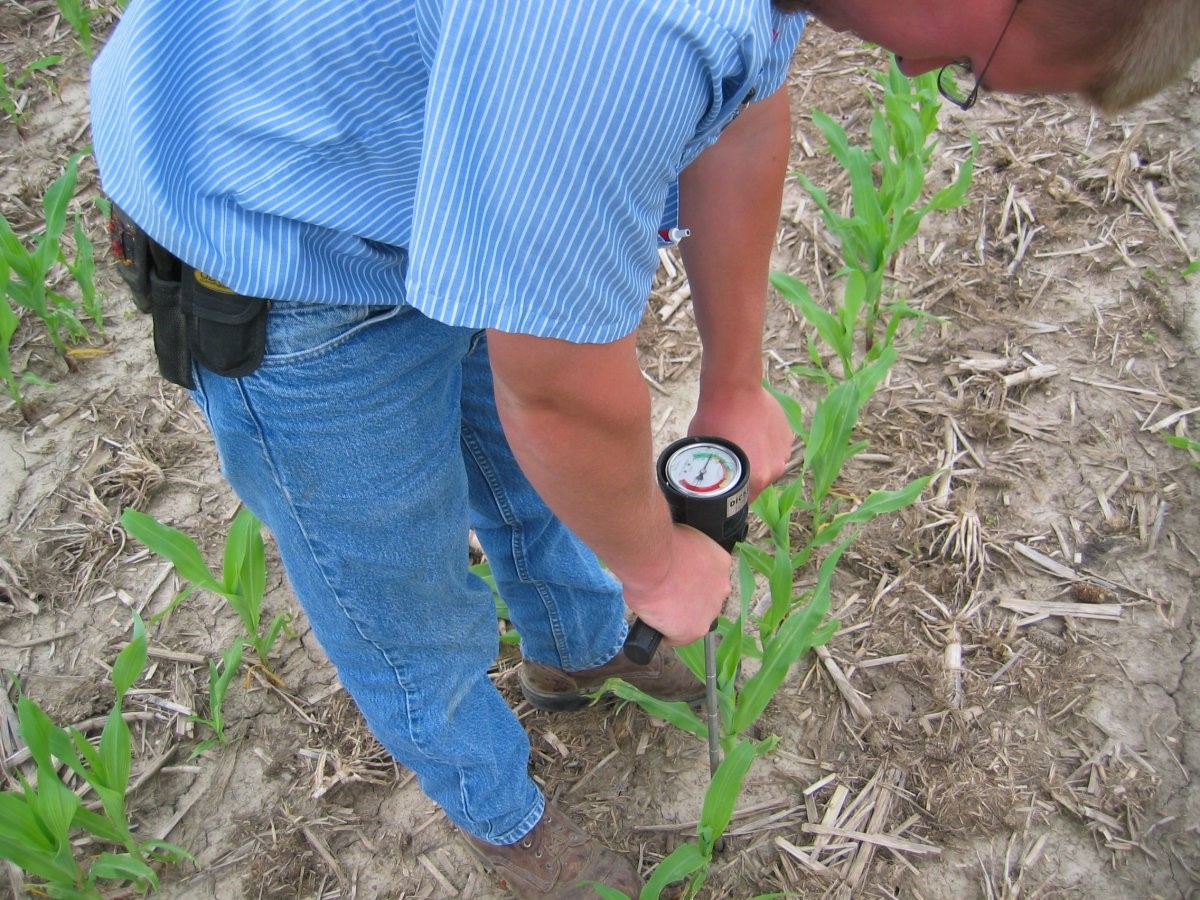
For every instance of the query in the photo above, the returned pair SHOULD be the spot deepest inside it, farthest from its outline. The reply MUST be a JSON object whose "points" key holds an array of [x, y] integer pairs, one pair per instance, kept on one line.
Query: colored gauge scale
{"points": [[703, 469]]}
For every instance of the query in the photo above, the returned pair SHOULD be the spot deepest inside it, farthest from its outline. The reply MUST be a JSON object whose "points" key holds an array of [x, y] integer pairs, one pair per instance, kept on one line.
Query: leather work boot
{"points": [[556, 860], [664, 678]]}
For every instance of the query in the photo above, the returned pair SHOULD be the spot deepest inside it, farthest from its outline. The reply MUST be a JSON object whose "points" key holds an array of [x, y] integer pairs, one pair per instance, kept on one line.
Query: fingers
{"points": [[684, 604]]}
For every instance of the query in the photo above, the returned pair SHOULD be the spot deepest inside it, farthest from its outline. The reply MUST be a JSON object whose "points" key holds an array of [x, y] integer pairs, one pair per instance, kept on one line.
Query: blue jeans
{"points": [[368, 442]]}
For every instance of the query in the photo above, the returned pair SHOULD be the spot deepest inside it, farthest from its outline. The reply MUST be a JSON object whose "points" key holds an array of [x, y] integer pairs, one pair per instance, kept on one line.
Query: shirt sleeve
{"points": [[554, 135]]}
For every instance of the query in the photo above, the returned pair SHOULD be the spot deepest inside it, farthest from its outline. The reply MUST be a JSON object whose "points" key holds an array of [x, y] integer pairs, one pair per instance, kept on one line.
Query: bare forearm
{"points": [[578, 419], [730, 198]]}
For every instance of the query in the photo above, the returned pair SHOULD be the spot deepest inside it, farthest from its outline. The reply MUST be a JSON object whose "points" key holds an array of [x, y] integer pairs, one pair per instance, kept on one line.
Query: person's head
{"points": [[1113, 52]]}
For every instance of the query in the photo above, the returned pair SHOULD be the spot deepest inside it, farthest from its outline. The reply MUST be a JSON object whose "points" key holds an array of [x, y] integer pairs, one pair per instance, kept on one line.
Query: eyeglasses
{"points": [[954, 77]]}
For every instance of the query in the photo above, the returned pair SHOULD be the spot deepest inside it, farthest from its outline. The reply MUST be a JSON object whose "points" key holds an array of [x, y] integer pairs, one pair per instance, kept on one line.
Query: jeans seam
{"points": [[496, 489], [298, 521]]}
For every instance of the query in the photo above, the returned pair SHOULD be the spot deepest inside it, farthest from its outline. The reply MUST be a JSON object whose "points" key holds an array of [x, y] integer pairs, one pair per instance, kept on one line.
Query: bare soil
{"points": [[1055, 555]]}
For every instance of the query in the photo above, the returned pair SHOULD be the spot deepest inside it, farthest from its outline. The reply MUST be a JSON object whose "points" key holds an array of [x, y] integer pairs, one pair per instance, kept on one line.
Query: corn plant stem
{"points": [[714, 713]]}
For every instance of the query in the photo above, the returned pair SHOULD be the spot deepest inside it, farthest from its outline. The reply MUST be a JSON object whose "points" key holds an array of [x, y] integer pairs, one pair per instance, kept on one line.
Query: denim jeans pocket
{"points": [[301, 331]]}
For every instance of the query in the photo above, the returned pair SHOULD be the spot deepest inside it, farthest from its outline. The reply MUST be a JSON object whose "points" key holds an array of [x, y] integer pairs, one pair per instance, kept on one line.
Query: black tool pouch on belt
{"points": [[170, 331], [226, 332], [195, 316], [131, 250]]}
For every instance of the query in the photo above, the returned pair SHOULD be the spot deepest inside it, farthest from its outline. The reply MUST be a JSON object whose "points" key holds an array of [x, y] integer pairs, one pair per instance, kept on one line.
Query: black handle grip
{"points": [[725, 521], [642, 643]]}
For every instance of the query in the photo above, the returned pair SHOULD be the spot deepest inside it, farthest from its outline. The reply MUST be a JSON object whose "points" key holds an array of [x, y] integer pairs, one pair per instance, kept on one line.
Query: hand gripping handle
{"points": [[642, 642]]}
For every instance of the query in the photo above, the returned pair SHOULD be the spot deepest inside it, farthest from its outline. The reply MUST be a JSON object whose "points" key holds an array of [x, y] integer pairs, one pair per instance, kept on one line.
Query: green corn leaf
{"points": [[98, 826], [909, 187], [869, 376], [827, 325], [692, 656], [881, 138], [41, 64], [905, 226], [780, 584], [113, 801], [825, 451], [835, 136], [54, 203], [173, 545], [878, 503], [676, 713], [954, 195], [116, 751], [131, 661], [37, 731], [790, 499], [165, 851], [123, 867], [9, 320], [767, 506], [722, 793], [857, 243], [819, 196], [907, 134], [253, 580], [794, 638], [815, 372], [54, 806], [83, 270], [730, 651], [745, 575], [263, 646], [854, 294], [29, 288], [19, 822], [682, 862], [59, 891], [240, 554], [175, 601], [18, 847], [792, 409], [864, 193], [87, 757], [757, 559], [231, 661]]}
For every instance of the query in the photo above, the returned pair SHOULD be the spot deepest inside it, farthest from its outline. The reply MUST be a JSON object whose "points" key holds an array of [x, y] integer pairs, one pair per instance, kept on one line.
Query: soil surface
{"points": [[1019, 644]]}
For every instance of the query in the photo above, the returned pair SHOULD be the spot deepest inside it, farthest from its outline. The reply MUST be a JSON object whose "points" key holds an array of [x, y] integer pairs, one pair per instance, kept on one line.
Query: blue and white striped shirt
{"points": [[505, 164]]}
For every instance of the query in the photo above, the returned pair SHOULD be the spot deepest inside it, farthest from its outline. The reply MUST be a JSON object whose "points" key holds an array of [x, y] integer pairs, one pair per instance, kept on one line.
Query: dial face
{"points": [[703, 470]]}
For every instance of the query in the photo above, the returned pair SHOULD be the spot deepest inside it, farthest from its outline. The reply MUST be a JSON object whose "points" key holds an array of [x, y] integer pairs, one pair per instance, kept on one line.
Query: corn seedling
{"points": [[37, 822], [9, 320], [79, 16], [25, 272], [887, 183], [508, 632], [219, 678], [243, 574], [11, 102], [1187, 444]]}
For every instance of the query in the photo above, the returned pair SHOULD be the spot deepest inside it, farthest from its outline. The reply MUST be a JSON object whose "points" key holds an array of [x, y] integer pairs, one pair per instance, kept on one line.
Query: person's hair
{"points": [[1152, 43], [1142, 45]]}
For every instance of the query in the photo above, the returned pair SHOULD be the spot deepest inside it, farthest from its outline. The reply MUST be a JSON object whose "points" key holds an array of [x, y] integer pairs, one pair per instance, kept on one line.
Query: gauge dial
{"points": [[703, 470]]}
